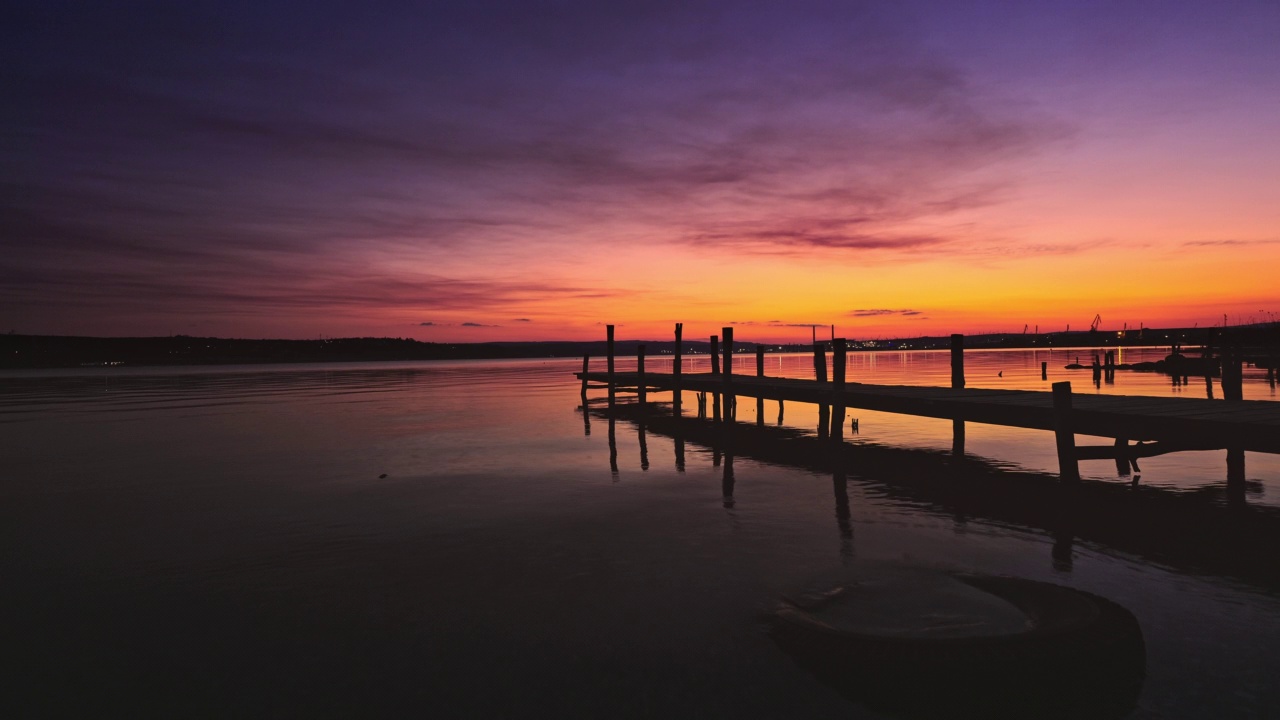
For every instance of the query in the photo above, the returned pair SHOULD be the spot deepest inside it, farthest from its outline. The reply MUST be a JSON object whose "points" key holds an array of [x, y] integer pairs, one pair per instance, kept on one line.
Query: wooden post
{"points": [[1122, 457], [819, 362], [609, 350], [728, 354], [1068, 464], [586, 359], [641, 390], [957, 360], [1044, 370], [730, 399], [1232, 374], [759, 374], [839, 357], [957, 381], [715, 370], [677, 394]]}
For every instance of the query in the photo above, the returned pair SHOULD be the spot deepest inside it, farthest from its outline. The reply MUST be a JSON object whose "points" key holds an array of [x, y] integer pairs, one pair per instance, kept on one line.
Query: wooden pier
{"points": [[1159, 425]]}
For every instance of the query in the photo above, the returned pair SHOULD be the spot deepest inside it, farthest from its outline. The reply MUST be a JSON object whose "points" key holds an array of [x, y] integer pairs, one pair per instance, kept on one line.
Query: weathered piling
{"points": [[1044, 370], [586, 361], [641, 389], [730, 401], [677, 395], [839, 358], [957, 381], [1232, 373], [760, 374], [957, 360], [609, 351], [820, 374], [715, 370], [1122, 456], [728, 355], [1068, 463]]}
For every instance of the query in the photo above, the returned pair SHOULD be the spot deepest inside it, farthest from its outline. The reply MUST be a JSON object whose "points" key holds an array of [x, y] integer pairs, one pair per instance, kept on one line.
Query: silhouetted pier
{"points": [[1159, 425]]}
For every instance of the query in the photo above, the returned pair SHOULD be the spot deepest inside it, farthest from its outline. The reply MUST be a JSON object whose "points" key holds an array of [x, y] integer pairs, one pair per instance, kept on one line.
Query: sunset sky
{"points": [[471, 171]]}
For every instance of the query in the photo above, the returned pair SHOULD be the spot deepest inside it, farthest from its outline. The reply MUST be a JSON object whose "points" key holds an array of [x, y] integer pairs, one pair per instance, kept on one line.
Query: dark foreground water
{"points": [[451, 540]]}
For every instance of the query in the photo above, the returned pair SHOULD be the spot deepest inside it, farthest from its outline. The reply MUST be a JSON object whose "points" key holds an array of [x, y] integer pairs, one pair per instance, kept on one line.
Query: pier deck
{"points": [[1189, 423]]}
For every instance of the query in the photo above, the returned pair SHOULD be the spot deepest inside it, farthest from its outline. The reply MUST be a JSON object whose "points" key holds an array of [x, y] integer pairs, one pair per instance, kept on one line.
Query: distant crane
{"points": [[1097, 320]]}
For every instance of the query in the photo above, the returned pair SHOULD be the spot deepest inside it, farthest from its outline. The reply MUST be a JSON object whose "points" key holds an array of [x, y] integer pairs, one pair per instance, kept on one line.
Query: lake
{"points": [[453, 540]]}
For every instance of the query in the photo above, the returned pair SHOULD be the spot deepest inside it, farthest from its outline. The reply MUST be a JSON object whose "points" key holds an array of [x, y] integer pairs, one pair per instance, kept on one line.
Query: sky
{"points": [[476, 171]]}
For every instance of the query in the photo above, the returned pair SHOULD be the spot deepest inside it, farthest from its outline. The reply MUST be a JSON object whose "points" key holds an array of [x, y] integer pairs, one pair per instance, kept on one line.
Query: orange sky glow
{"points": [[894, 169]]}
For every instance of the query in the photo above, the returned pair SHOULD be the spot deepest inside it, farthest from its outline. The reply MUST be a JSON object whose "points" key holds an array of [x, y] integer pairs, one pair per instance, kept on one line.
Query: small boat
{"points": [[936, 644]]}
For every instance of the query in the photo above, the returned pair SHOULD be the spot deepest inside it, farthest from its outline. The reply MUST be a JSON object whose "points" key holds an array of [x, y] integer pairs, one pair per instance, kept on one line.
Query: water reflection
{"points": [[1206, 530]]}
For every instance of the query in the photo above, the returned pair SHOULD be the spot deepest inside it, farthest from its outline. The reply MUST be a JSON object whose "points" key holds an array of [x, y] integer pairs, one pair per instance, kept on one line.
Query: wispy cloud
{"points": [[882, 312], [1226, 243]]}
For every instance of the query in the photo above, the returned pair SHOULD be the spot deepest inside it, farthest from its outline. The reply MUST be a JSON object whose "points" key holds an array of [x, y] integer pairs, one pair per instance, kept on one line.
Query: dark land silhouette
{"points": [[54, 351]]}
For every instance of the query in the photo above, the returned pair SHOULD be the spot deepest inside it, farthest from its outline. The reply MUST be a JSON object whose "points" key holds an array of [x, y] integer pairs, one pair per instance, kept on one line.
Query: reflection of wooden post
{"points": [[839, 357], [760, 374], [677, 395], [957, 360], [644, 445], [613, 448], [609, 350], [1068, 464], [1235, 474], [641, 390]]}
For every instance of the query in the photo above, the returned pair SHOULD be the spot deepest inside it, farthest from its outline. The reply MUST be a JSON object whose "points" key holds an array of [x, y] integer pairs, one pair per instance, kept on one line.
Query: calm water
{"points": [[451, 540]]}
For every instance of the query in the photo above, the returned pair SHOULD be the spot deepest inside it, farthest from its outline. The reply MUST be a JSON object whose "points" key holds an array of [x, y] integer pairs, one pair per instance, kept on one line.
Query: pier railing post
{"points": [[1068, 463], [678, 393], [609, 350], [640, 380]]}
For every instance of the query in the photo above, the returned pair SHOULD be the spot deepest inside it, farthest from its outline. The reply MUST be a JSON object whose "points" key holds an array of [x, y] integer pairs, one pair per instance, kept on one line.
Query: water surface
{"points": [[452, 539]]}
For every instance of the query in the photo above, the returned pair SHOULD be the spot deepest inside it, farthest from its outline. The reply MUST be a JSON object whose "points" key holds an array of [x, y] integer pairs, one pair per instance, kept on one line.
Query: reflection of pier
{"points": [[1160, 425], [1205, 530]]}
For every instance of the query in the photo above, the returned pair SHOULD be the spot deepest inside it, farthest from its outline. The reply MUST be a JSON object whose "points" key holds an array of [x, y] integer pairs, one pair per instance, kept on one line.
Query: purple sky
{"points": [[436, 169]]}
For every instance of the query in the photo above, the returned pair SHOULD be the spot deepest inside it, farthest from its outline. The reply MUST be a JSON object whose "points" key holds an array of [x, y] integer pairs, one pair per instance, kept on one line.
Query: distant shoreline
{"points": [[59, 351]]}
